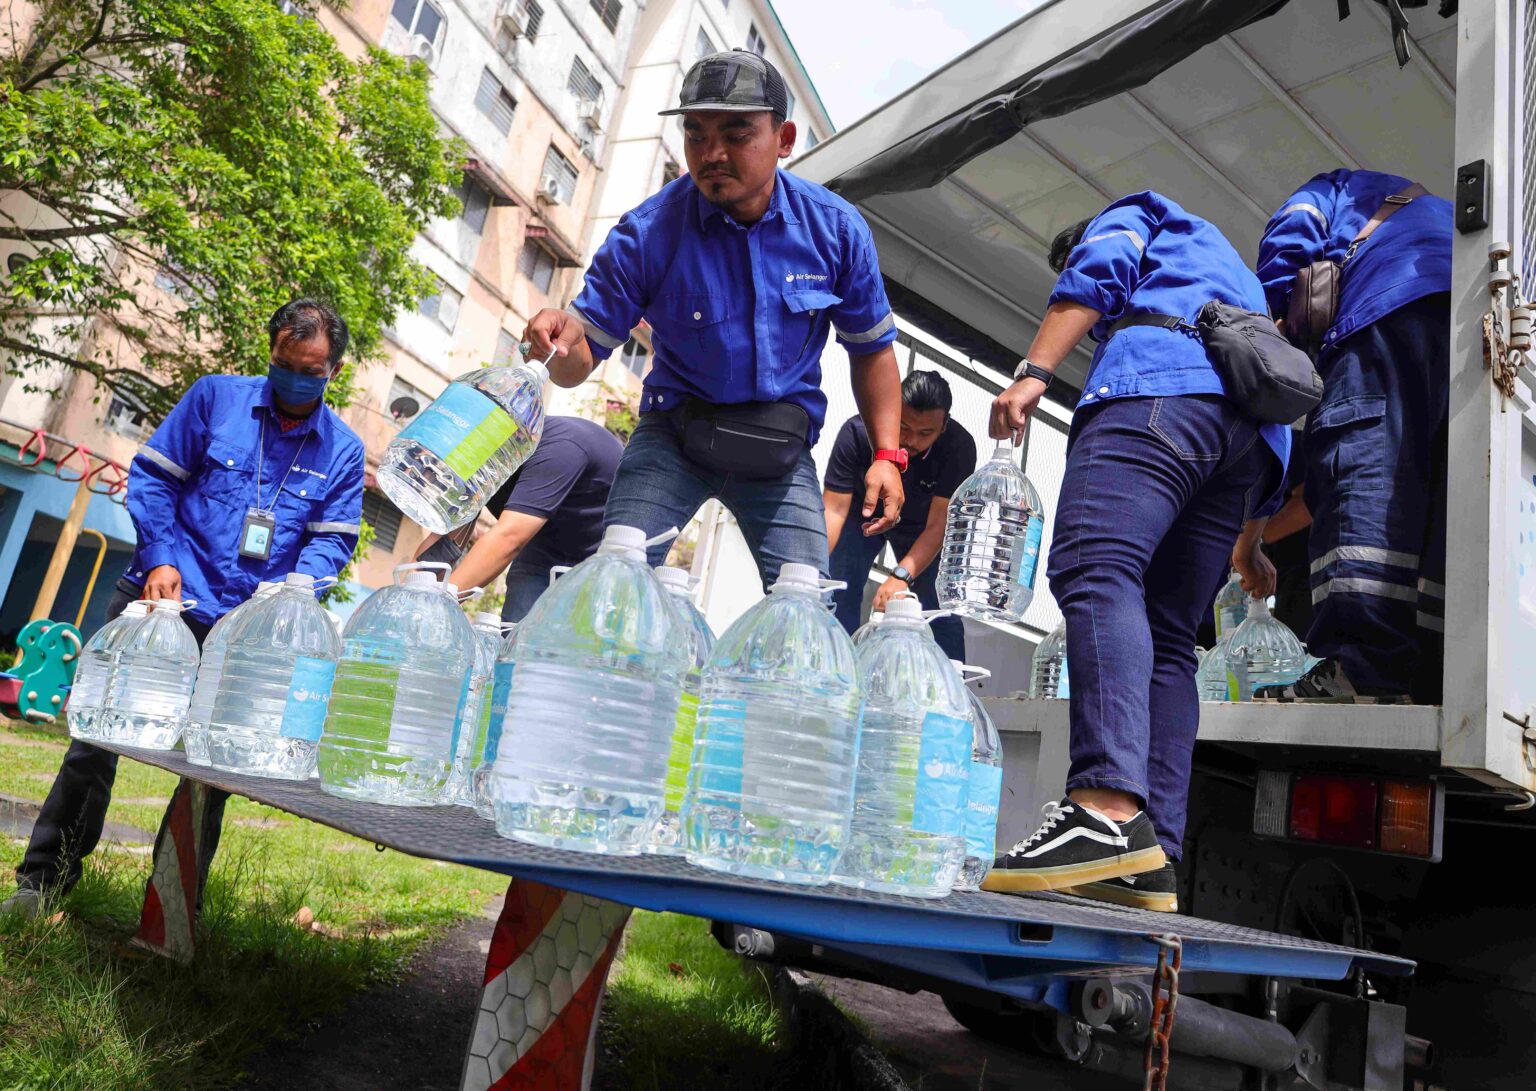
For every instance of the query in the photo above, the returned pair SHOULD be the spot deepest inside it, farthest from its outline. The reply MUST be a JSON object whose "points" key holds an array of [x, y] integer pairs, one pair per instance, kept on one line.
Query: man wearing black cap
{"points": [[740, 269]]}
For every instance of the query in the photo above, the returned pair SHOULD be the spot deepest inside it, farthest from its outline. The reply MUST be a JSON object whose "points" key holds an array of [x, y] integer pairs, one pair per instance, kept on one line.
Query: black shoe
{"points": [[1075, 846], [1154, 890], [1327, 682]]}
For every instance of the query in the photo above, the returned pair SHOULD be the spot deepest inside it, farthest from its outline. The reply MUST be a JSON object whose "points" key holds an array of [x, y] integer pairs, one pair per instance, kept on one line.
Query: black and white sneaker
{"points": [[1155, 890], [1075, 846], [1327, 683]]}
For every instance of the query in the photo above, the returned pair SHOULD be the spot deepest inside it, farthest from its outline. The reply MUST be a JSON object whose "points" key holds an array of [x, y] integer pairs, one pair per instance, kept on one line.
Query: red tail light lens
{"points": [[1334, 810]]}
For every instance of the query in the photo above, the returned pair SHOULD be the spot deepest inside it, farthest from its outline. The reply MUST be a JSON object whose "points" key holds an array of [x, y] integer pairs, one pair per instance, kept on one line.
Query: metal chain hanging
{"points": [[1165, 1001]]}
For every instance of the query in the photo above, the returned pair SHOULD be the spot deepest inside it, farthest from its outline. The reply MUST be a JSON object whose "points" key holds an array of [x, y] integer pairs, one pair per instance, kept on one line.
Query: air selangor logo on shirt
{"points": [[815, 278]]}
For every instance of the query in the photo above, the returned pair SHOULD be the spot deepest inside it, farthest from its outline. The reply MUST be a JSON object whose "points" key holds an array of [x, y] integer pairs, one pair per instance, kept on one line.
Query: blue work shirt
{"points": [[1406, 258], [193, 481], [738, 314], [1146, 255]]}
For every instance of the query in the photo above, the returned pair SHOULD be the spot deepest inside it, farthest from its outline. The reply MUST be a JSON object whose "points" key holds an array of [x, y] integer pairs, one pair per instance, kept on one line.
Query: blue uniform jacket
{"points": [[191, 483], [1406, 258], [1146, 255], [738, 314]]}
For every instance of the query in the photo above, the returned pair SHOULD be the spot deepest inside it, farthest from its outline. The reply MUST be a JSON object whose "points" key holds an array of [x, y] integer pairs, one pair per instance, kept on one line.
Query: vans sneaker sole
{"points": [[1023, 880], [1135, 899]]}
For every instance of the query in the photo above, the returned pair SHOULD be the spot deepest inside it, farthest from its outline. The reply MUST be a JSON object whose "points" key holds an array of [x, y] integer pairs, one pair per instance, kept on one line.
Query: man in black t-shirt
{"points": [[940, 455], [550, 512]]}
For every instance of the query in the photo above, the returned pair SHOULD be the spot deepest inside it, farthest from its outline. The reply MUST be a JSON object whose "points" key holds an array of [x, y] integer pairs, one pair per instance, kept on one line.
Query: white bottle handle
{"points": [[425, 566], [664, 536], [969, 673], [465, 596], [557, 571]]}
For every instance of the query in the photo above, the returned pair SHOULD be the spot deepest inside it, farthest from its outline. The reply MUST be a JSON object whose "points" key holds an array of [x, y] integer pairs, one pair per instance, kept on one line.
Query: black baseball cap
{"points": [[737, 80]]}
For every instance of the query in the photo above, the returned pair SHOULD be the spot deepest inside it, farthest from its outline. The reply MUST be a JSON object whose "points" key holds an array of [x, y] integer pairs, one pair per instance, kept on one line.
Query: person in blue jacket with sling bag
{"points": [[1163, 471], [1375, 469]]}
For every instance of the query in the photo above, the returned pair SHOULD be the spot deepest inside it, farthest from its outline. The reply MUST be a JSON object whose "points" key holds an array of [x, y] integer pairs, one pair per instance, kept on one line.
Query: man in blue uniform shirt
{"points": [[1162, 472], [740, 269], [246, 479], [1375, 458]]}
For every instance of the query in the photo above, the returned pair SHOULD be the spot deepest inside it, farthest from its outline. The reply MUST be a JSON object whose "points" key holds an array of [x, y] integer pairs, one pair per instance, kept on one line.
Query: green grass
{"points": [[682, 1012], [79, 1011]]}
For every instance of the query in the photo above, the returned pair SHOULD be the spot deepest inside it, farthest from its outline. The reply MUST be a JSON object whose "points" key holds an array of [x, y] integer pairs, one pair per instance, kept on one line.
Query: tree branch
{"points": [[63, 58], [50, 234]]}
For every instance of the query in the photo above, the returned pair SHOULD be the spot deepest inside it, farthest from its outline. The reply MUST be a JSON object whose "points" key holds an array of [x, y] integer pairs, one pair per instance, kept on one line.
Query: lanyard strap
{"points": [[261, 443]]}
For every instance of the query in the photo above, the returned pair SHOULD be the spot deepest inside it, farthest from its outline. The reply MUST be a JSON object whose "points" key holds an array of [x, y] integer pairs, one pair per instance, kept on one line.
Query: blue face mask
{"points": [[292, 388]]}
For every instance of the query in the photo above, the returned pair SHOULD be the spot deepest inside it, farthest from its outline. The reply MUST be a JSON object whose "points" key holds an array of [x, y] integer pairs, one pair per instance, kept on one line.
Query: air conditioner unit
{"points": [[513, 18], [549, 190], [423, 50], [591, 112]]}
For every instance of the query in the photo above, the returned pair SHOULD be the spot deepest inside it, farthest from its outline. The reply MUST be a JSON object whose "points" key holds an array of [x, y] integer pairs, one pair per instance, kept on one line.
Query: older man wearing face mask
{"points": [[247, 479]]}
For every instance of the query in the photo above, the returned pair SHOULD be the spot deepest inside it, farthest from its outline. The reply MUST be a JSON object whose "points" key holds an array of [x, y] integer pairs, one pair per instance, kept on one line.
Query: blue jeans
{"points": [[1375, 485], [851, 561], [658, 487], [1152, 499], [524, 586]]}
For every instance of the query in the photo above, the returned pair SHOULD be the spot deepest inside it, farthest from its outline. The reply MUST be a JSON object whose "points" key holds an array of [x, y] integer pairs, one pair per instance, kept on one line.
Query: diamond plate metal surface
{"points": [[991, 924]]}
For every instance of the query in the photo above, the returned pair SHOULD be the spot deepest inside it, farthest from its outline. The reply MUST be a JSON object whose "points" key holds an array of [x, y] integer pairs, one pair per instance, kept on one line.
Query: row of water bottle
{"points": [[135, 678], [1253, 648]]}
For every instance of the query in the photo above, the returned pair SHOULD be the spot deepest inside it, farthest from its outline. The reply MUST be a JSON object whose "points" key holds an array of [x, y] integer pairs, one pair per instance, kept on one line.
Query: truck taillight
{"points": [[1402, 817]]}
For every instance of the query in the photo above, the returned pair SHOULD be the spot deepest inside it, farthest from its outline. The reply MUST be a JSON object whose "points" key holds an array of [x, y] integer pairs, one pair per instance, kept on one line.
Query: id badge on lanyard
{"points": [[256, 534]]}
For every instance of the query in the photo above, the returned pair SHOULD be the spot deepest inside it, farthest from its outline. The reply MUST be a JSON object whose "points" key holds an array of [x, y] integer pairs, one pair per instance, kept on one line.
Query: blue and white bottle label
{"points": [[501, 689], [1029, 557], [981, 801], [720, 753], [309, 698], [943, 771], [458, 716]]}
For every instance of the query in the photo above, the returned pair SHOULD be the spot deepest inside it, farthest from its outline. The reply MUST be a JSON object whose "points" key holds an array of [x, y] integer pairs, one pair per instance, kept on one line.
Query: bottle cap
{"points": [[421, 579], [300, 579], [137, 608], [799, 575], [622, 539], [166, 606], [1004, 449], [485, 617], [901, 606], [264, 585], [1258, 607], [678, 578]]}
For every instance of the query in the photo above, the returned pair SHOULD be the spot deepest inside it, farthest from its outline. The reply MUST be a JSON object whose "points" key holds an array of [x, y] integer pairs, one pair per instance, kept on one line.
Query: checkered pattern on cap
{"points": [[736, 80]]}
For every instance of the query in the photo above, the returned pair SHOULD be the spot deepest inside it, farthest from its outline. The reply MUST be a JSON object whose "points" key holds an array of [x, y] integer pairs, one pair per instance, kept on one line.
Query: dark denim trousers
{"points": [[658, 487], [1152, 499], [851, 562], [69, 825], [1375, 485]]}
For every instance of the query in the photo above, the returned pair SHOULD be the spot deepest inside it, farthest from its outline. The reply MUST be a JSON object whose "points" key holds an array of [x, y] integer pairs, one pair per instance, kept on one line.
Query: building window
{"points": [[477, 204], [563, 171], [419, 17], [126, 418], [810, 140], [506, 348], [703, 45], [608, 11], [405, 402], [789, 104], [754, 40], [535, 16], [495, 102], [384, 517], [670, 172], [443, 306], [537, 264], [583, 84], [635, 357]]}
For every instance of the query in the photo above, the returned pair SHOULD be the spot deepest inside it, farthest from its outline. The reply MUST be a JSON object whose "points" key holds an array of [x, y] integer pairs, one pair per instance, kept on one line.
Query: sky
{"points": [[860, 53]]}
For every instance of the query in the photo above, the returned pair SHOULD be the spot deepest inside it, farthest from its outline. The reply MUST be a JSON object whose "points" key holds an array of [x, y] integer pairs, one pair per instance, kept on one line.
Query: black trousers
{"points": [[70, 823]]}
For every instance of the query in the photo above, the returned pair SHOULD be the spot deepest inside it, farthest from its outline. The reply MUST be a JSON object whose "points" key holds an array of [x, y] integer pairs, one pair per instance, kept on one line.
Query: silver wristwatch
{"points": [[1027, 370]]}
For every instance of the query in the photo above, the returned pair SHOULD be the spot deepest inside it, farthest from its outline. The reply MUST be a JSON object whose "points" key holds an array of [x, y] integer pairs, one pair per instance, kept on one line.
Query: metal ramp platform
{"points": [[1007, 943]]}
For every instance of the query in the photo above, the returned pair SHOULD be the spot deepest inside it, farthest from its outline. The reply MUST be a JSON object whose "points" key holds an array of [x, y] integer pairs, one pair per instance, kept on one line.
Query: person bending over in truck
{"points": [[1375, 450], [741, 269], [1162, 472]]}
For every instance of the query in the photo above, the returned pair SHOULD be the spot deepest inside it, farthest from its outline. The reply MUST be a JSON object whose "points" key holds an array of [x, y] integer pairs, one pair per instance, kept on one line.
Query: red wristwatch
{"points": [[898, 456]]}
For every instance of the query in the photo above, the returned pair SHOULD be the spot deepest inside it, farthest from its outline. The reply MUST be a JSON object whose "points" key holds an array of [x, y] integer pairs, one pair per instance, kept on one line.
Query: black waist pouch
{"points": [[757, 440], [1265, 375]]}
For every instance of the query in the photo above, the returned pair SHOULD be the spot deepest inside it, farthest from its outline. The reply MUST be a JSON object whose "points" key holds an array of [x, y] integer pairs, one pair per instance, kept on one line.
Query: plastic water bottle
{"points": [[446, 463], [582, 762], [1213, 680], [88, 692], [908, 830], [209, 670], [1263, 652], [991, 551], [984, 792], [1048, 677], [475, 721], [275, 685], [151, 684], [668, 838], [863, 632], [771, 792], [404, 674], [488, 737], [1231, 606]]}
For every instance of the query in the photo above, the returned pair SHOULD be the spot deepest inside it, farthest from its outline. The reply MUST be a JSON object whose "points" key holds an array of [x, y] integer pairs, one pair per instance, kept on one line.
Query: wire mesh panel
{"points": [[1527, 255]]}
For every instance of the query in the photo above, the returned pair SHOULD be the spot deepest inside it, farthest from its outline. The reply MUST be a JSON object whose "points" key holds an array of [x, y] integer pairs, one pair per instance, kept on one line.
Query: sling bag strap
{"points": [[1164, 321], [1382, 214]]}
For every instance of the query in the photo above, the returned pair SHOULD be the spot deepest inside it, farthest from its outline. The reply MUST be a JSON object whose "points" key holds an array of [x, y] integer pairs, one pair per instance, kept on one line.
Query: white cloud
{"points": [[861, 53]]}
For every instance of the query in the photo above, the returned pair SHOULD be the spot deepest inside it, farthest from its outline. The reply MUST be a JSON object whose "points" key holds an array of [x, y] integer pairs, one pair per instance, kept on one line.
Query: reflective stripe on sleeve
{"points": [[1302, 206], [1432, 589], [593, 331], [1135, 238], [332, 528], [1348, 586], [1369, 554], [1431, 622], [870, 334], [152, 455]]}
